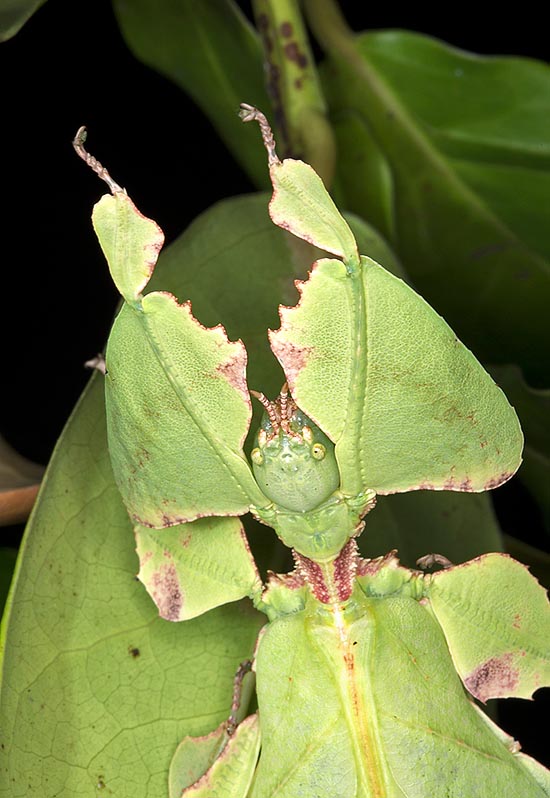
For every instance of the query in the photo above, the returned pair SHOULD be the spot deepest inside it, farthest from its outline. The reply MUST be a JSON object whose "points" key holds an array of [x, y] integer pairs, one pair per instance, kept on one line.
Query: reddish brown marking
{"points": [[452, 484], [345, 568], [286, 29], [166, 591], [483, 444], [495, 678], [313, 575], [234, 371], [517, 621], [292, 52], [293, 581], [495, 482], [293, 358], [186, 540], [371, 567]]}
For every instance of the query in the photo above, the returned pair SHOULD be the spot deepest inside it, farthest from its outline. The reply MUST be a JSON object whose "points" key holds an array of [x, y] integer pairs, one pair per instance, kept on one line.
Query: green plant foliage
{"points": [[465, 145], [14, 14], [94, 683], [208, 48]]}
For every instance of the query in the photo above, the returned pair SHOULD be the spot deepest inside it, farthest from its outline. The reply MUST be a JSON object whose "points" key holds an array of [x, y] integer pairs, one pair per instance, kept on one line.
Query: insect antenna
{"points": [[270, 408]]}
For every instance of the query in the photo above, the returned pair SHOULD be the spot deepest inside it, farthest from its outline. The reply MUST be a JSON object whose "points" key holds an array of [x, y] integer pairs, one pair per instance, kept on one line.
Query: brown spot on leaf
{"points": [[166, 592], [496, 482], [292, 358], [495, 678], [286, 29], [293, 53], [517, 621], [465, 485], [133, 652], [234, 371]]}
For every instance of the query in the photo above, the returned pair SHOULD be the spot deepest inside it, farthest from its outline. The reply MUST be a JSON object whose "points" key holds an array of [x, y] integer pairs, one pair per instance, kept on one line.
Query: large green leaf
{"points": [[465, 140], [14, 14], [97, 690], [208, 48]]}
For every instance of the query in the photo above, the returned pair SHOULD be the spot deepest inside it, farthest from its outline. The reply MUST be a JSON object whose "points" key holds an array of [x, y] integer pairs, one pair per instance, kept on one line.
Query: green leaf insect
{"points": [[366, 671]]}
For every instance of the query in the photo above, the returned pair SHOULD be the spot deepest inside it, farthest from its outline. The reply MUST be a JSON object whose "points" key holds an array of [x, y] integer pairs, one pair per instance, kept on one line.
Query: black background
{"points": [[69, 66]]}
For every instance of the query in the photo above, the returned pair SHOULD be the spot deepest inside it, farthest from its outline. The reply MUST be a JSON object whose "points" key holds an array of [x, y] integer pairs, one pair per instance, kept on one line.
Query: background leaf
{"points": [[97, 690], [533, 407], [467, 159], [458, 525], [210, 50], [14, 14]]}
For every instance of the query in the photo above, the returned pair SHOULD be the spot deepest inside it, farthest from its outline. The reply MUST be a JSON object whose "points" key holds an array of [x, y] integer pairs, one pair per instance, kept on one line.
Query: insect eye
{"points": [[318, 451], [256, 456]]}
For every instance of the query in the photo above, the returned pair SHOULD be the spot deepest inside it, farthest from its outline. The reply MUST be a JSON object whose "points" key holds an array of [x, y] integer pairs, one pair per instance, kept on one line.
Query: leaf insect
{"points": [[366, 671]]}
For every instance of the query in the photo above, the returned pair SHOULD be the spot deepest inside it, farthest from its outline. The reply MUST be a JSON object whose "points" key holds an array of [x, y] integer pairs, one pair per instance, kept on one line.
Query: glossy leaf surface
{"points": [[209, 49], [94, 684], [14, 14], [460, 526], [468, 161]]}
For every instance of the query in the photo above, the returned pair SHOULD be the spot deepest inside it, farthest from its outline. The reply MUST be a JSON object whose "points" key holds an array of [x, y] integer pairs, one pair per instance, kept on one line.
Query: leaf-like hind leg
{"points": [[220, 764]]}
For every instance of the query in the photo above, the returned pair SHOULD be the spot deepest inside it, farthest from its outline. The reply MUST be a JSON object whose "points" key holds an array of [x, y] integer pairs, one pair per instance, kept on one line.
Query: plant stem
{"points": [[292, 82]]}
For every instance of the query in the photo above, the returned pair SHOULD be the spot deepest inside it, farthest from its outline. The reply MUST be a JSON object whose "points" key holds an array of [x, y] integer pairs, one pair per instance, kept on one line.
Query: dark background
{"points": [[69, 66]]}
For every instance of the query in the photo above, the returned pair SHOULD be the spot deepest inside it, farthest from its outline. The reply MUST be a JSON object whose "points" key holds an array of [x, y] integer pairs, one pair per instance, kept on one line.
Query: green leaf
{"points": [[14, 14], [209, 49], [346, 708], [302, 205], [465, 140], [8, 557], [496, 619], [191, 568], [223, 765], [460, 526], [130, 242], [407, 405], [533, 407], [177, 400], [97, 691], [215, 263]]}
